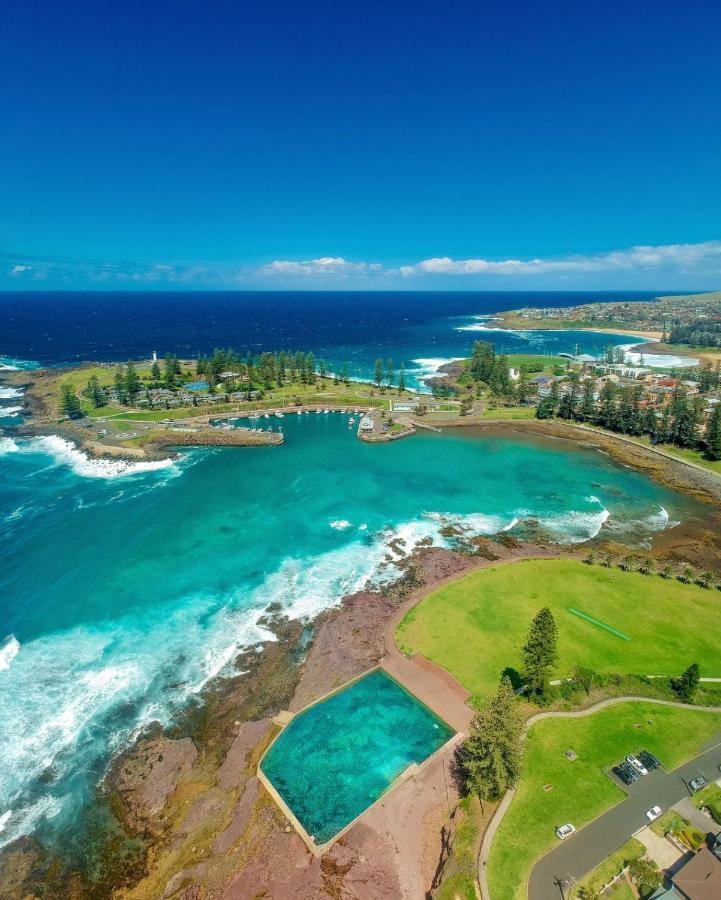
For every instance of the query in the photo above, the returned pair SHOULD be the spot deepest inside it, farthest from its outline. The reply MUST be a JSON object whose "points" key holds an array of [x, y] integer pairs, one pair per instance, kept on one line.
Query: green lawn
{"points": [[610, 868], [535, 363], [488, 613], [580, 791], [510, 412], [710, 797]]}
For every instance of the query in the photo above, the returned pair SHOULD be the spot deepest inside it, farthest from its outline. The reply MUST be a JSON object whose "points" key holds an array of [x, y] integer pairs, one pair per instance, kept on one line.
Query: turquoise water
{"points": [[124, 588], [337, 758]]}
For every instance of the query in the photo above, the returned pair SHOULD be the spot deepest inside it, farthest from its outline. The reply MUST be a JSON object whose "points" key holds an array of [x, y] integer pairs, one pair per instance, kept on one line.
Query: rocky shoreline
{"points": [[189, 817]]}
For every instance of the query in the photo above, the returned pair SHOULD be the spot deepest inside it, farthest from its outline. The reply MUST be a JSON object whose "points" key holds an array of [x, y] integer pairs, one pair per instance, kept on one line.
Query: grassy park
{"points": [[579, 791], [488, 613]]}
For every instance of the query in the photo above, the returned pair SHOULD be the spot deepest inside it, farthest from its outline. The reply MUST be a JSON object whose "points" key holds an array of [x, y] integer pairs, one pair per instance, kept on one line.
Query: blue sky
{"points": [[368, 145]]}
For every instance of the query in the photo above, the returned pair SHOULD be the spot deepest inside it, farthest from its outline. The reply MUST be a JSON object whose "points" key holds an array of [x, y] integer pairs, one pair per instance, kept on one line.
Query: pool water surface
{"points": [[335, 759]]}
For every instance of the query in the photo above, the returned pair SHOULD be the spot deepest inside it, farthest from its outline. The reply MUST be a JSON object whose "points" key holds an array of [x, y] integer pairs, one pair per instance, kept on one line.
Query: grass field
{"points": [[512, 413], [536, 363], [489, 611], [581, 792]]}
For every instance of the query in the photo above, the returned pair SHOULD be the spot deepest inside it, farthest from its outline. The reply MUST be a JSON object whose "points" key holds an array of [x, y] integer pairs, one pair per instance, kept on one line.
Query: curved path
{"points": [[508, 797]]}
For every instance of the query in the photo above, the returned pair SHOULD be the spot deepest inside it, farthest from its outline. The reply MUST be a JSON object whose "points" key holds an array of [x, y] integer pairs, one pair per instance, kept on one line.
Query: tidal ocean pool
{"points": [[336, 759]]}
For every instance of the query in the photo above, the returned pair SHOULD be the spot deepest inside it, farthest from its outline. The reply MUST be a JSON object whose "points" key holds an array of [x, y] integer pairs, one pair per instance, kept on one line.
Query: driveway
{"points": [[586, 849]]}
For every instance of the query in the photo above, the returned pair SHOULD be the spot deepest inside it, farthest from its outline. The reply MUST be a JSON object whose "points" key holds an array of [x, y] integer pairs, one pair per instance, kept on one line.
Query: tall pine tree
{"points": [[490, 757], [540, 653]]}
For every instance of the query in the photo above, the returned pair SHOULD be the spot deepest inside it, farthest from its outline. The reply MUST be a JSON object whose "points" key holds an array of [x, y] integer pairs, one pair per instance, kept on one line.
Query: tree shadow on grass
{"points": [[514, 676]]}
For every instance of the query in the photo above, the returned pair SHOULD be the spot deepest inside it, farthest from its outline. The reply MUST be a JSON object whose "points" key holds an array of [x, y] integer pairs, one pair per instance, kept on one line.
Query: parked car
{"points": [[564, 831], [623, 773], [697, 783], [649, 760], [637, 764], [629, 771], [653, 813]]}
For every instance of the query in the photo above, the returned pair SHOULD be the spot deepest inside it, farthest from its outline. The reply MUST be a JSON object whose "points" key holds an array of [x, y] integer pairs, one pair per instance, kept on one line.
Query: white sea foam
{"points": [[8, 652], [64, 453], [9, 364], [8, 445], [341, 524], [479, 326], [427, 367], [9, 393], [10, 411], [4, 819], [471, 524], [657, 360], [660, 520], [63, 691], [575, 526]]}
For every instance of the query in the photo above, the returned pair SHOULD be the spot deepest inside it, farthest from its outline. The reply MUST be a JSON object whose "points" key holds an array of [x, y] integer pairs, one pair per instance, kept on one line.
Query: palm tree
{"points": [[667, 572], [646, 568]]}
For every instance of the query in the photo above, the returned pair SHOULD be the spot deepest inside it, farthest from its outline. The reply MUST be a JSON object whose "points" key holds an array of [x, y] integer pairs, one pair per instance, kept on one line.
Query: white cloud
{"points": [[633, 265], [323, 265], [680, 257]]}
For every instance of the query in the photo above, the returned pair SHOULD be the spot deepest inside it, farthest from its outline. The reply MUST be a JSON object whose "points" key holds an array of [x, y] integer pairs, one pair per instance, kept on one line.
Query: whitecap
{"points": [[341, 524], [8, 445], [426, 367], [65, 453], [9, 393], [4, 819], [11, 411], [575, 526], [8, 652]]}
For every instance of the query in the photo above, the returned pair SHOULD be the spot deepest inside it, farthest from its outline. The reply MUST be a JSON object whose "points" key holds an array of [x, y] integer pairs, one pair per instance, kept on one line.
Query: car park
{"points": [[653, 813], [649, 760], [637, 764], [564, 831]]}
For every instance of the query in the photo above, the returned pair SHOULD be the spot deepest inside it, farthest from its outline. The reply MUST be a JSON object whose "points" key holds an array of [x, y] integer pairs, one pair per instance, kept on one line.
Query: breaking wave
{"points": [[9, 364], [8, 652], [341, 524], [9, 393], [65, 453], [427, 367]]}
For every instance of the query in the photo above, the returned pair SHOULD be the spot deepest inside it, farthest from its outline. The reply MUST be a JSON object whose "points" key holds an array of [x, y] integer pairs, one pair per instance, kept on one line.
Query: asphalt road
{"points": [[583, 851]]}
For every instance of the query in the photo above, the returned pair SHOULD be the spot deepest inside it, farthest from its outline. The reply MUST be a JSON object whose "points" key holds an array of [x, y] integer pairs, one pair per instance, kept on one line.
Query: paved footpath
{"points": [[586, 849]]}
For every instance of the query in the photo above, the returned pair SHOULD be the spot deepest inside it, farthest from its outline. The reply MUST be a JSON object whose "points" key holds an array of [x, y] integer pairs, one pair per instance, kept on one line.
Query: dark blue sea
{"points": [[419, 329]]}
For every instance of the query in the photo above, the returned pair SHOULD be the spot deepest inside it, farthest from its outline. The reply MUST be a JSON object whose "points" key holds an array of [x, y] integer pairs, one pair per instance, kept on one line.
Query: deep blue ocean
{"points": [[125, 587], [419, 329]]}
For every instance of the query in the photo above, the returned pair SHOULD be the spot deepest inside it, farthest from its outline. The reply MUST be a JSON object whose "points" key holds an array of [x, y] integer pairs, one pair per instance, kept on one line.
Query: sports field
{"points": [[476, 626]]}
